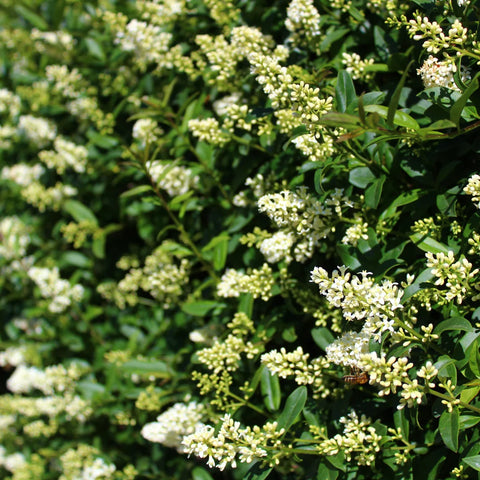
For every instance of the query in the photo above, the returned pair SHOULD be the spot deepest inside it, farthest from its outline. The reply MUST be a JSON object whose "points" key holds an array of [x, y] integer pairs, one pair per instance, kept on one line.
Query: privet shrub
{"points": [[239, 239]]}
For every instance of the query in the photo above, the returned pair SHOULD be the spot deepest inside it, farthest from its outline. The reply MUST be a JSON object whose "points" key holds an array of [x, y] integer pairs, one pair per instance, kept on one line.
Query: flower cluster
{"points": [[296, 364], [62, 40], [223, 12], [435, 39], [84, 463], [161, 13], [316, 149], [473, 188], [258, 282], [174, 179], [359, 441], [39, 131], [67, 83], [303, 20], [360, 298], [457, 276], [13, 356], [59, 292], [302, 219], [232, 442], [14, 238], [148, 43], [43, 197], [66, 155], [225, 355], [163, 276], [208, 130], [146, 131], [13, 462], [356, 232], [10, 103], [357, 67], [23, 174], [77, 233], [174, 424], [55, 378], [440, 73]]}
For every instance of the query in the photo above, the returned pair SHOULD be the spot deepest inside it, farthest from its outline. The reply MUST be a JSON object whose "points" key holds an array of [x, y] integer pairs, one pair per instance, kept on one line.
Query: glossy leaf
{"points": [[455, 323], [345, 91], [79, 211], [428, 244], [199, 473], [361, 177], [449, 427], [400, 118], [293, 406], [256, 472], [473, 461], [322, 337], [456, 110], [199, 308], [393, 104], [270, 387], [374, 192]]}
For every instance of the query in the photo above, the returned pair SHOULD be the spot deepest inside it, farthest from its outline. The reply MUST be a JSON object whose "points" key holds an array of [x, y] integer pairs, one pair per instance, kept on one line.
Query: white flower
{"points": [[174, 424], [38, 130]]}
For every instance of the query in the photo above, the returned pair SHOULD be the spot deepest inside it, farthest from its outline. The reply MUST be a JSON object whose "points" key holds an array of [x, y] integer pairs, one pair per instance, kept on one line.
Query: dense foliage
{"points": [[239, 239]]}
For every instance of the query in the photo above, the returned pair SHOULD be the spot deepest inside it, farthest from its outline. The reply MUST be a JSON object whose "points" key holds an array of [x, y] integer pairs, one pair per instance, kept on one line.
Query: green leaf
{"points": [[98, 246], [90, 390], [257, 472], [392, 106], [76, 259], [95, 49], [428, 244], [374, 192], [440, 125], [404, 198], [338, 119], [425, 276], [473, 462], [293, 406], [154, 367], [245, 304], [400, 118], [79, 211], [402, 423], [361, 177], [103, 141], [338, 461], [344, 90], [200, 308], [474, 359], [468, 394], [446, 368], [199, 473], [449, 427], [322, 337], [333, 34], [458, 106], [36, 20], [454, 323], [347, 258], [468, 421], [270, 388], [324, 472], [219, 245], [137, 191]]}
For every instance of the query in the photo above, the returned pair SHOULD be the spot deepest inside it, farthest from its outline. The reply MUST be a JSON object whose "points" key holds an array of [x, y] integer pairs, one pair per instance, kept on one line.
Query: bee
{"points": [[356, 377]]}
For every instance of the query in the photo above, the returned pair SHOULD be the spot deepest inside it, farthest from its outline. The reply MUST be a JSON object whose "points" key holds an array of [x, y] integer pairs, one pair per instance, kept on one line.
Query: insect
{"points": [[356, 377]]}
